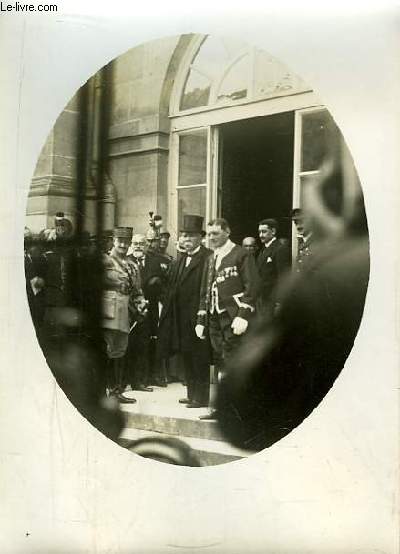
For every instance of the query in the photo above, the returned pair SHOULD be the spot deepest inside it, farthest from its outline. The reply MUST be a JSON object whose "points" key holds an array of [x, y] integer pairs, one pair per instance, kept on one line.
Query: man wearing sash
{"points": [[227, 295]]}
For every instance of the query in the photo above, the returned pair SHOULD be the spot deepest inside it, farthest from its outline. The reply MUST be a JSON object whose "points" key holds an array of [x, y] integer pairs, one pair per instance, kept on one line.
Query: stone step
{"points": [[174, 426], [160, 411], [160, 414]]}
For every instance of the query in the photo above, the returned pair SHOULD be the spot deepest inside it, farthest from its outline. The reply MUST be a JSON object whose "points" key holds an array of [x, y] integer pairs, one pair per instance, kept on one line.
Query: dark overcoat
{"points": [[179, 313], [153, 276]]}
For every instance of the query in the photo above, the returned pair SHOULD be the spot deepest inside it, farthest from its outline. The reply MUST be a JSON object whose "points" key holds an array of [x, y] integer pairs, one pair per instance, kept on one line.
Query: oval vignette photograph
{"points": [[196, 250]]}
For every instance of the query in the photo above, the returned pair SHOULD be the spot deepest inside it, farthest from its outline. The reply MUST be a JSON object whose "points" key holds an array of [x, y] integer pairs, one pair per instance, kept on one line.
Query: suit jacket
{"points": [[272, 264], [153, 275], [237, 282], [179, 314], [153, 278]]}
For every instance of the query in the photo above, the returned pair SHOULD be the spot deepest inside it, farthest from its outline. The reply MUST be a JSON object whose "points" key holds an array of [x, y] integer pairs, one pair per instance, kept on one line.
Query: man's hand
{"points": [[239, 325], [199, 330]]}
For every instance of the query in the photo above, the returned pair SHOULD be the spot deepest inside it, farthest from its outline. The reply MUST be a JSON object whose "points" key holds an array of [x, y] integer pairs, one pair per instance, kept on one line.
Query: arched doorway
{"points": [[245, 134]]}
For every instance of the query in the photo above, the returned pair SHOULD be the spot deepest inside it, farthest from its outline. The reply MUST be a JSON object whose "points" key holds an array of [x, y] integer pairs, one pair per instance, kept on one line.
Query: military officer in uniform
{"points": [[304, 240], [227, 295], [123, 304]]}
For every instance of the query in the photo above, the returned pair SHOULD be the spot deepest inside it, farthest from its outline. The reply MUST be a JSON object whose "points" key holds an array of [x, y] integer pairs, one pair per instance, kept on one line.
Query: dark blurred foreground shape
{"points": [[288, 364], [169, 450]]}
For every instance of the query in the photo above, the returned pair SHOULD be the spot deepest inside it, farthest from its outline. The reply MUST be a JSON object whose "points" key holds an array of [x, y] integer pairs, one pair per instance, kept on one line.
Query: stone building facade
{"points": [[186, 124]]}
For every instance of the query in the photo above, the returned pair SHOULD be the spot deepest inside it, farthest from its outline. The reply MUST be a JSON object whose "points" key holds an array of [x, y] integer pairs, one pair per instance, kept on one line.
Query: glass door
{"points": [[317, 139], [193, 175]]}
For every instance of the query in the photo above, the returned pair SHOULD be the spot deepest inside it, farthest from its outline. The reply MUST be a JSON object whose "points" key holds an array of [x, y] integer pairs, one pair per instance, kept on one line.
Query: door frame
{"points": [[211, 120]]}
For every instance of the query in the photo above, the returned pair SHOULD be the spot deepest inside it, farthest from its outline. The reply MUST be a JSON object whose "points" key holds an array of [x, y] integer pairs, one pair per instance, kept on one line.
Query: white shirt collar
{"points": [[194, 251], [267, 244], [224, 249]]}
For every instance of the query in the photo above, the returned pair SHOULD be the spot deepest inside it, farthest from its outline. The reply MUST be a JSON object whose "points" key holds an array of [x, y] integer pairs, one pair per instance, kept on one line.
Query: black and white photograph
{"points": [[198, 276], [196, 250]]}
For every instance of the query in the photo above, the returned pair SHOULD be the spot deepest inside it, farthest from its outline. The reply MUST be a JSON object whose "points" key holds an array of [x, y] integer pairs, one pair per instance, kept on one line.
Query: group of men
{"points": [[203, 302], [198, 305]]}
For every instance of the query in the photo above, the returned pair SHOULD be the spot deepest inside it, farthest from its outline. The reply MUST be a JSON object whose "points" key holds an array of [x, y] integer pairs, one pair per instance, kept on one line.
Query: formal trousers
{"points": [[196, 361], [138, 355], [223, 341]]}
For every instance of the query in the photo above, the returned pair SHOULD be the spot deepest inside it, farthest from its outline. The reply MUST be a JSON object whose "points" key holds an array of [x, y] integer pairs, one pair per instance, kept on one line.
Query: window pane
{"points": [[207, 66], [193, 158], [235, 84], [191, 201], [320, 139], [197, 91], [328, 193], [271, 77]]}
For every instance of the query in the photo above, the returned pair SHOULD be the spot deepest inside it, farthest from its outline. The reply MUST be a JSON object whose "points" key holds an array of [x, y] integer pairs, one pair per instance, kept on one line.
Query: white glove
{"points": [[199, 330], [142, 307], [239, 325]]}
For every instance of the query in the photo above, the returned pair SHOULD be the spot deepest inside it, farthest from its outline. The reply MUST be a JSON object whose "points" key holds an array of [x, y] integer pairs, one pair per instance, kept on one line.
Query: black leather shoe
{"points": [[212, 415], [125, 400], [184, 401]]}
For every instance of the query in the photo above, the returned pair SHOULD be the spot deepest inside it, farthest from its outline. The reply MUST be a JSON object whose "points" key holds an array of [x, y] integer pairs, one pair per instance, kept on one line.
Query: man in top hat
{"points": [[178, 316], [227, 295], [123, 304], [272, 263], [304, 239]]}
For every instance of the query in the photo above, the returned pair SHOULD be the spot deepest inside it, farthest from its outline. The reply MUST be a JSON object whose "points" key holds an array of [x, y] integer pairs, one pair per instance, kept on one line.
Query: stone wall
{"points": [[139, 129], [54, 181]]}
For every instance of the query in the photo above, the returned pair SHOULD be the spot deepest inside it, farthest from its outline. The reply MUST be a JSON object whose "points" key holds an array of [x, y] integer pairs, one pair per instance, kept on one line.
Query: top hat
{"points": [[192, 224], [123, 232]]}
